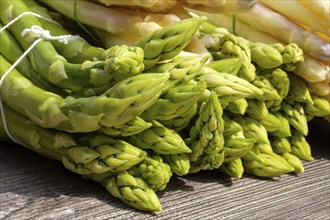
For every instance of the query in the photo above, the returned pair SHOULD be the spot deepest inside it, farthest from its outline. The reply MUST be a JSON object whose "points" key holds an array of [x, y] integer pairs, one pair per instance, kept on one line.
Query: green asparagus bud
{"points": [[123, 61], [166, 43], [211, 35], [298, 91], [206, 134], [104, 154], [233, 168], [133, 191], [207, 162], [229, 65], [265, 55], [134, 126], [232, 47], [175, 102], [285, 130], [180, 122], [267, 165], [232, 128], [319, 108], [292, 55], [227, 86], [253, 129], [237, 148], [281, 82], [258, 110], [294, 161], [179, 163], [181, 69], [237, 106], [236, 143], [296, 116], [269, 92], [159, 139], [154, 171], [280, 145], [300, 147]]}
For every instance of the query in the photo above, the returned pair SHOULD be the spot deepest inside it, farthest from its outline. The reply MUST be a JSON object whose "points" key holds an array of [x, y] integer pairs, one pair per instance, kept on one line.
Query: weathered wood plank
{"points": [[33, 187]]}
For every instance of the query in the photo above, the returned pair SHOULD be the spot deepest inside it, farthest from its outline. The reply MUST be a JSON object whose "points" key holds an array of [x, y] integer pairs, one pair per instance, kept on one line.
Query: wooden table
{"points": [[33, 187]]}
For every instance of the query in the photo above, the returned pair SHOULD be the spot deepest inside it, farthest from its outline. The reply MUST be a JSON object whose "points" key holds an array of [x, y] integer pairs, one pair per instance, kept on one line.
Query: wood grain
{"points": [[34, 187]]}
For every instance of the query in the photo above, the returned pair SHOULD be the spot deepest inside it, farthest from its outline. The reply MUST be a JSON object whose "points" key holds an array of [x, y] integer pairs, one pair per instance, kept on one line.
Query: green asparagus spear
{"points": [[159, 139], [207, 162], [233, 46], [228, 65], [265, 55], [153, 171], [133, 191], [166, 43], [126, 100], [269, 92], [180, 122], [179, 163], [294, 161], [258, 110], [46, 61], [300, 146], [280, 145], [233, 168], [227, 86], [319, 108], [292, 55], [253, 129], [175, 102], [295, 114], [267, 165], [181, 69], [237, 106], [206, 134], [298, 91], [134, 126], [12, 51], [237, 144]]}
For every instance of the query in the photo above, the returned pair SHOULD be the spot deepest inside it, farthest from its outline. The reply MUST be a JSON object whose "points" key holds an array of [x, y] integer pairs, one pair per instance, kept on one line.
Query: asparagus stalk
{"points": [[123, 102], [47, 62], [182, 69], [83, 155], [228, 87], [134, 126], [175, 102], [12, 51]]}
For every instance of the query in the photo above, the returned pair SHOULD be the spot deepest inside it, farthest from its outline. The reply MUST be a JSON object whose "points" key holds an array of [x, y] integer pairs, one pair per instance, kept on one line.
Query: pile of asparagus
{"points": [[131, 117]]}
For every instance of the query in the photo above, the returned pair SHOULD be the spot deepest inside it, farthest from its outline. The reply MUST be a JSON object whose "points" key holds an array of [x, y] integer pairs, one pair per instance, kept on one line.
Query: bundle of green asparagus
{"points": [[131, 116]]}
